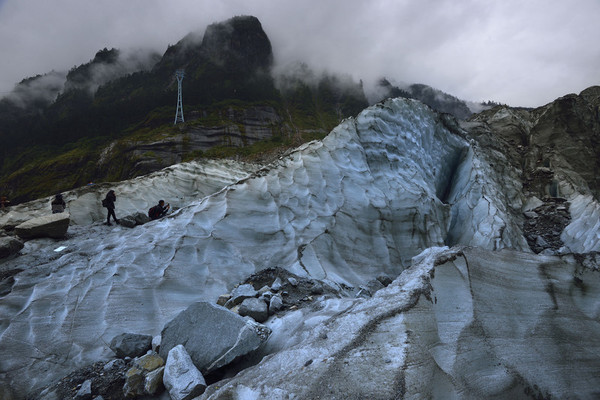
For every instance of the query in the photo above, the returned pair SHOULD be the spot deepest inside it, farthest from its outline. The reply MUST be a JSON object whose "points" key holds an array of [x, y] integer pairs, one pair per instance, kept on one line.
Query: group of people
{"points": [[156, 212], [58, 205]]}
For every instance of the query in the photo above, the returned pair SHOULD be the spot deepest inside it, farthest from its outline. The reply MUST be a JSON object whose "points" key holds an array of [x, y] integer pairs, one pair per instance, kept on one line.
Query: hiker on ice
{"points": [[159, 210], [4, 202], [109, 203], [58, 204]]}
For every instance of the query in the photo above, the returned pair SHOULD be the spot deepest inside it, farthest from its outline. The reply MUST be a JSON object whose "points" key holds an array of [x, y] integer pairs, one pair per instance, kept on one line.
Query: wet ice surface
{"points": [[460, 323], [358, 204]]}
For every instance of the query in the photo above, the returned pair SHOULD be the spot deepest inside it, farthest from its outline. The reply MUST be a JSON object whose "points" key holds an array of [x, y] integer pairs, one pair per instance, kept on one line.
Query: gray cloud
{"points": [[39, 90], [520, 53]]}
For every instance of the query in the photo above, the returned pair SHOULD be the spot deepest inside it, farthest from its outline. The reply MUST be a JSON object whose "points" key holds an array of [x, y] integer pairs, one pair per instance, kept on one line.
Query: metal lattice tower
{"points": [[179, 74]]}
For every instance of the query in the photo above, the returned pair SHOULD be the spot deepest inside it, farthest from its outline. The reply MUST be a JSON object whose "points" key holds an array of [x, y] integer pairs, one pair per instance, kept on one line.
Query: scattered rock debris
{"points": [[108, 378], [544, 225]]}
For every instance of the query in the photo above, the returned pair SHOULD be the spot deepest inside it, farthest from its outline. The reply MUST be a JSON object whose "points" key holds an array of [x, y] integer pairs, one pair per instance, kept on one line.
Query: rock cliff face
{"points": [[239, 41], [401, 191], [555, 145]]}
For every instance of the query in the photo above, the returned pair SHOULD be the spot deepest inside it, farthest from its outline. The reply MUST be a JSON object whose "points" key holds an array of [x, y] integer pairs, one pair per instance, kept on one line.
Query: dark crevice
{"points": [[445, 186]]}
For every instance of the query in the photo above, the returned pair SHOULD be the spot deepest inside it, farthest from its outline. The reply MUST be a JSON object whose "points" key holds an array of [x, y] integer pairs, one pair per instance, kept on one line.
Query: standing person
{"points": [[4, 201], [109, 203], [58, 204], [159, 210]]}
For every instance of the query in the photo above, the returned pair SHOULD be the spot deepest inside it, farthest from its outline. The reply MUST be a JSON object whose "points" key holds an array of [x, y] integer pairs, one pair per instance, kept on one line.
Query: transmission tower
{"points": [[179, 74]]}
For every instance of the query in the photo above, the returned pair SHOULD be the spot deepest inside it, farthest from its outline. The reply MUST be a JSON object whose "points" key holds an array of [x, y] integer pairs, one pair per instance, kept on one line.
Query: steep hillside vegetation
{"points": [[113, 117]]}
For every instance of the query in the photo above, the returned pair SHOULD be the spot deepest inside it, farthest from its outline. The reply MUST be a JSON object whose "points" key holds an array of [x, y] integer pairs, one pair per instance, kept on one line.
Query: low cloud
{"points": [[98, 71], [41, 90], [519, 53], [38, 90]]}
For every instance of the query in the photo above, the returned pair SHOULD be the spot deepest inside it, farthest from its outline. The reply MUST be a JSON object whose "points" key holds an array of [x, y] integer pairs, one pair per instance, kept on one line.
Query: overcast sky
{"points": [[519, 52]]}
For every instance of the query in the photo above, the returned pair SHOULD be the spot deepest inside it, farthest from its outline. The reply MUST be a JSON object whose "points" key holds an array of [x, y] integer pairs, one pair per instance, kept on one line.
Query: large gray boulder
{"points": [[9, 246], [181, 378], [52, 226], [212, 335]]}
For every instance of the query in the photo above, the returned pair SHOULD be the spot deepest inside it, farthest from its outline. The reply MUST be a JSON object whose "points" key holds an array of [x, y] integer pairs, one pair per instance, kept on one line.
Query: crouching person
{"points": [[159, 210]]}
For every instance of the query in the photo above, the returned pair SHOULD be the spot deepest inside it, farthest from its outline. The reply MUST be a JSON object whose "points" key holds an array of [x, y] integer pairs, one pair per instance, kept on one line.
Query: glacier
{"points": [[399, 190]]}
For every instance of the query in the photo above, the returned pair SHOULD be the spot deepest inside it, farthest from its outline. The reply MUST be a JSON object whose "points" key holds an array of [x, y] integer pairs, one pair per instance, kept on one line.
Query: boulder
{"points": [[223, 299], [277, 284], [276, 303], [143, 377], [212, 335], [149, 362], [254, 308], [85, 391], [9, 246], [316, 288], [263, 290], [141, 218], [128, 221], [266, 296], [131, 345], [181, 378], [53, 226], [153, 383], [134, 382], [240, 294]]}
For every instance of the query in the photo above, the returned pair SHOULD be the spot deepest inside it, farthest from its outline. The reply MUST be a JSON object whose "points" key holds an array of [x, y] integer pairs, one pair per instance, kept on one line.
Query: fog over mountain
{"points": [[524, 54], [107, 65]]}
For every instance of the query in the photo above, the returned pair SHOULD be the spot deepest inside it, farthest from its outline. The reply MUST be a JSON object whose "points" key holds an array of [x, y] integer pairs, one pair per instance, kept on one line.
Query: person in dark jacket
{"points": [[109, 203], [58, 204], [4, 202], [159, 210]]}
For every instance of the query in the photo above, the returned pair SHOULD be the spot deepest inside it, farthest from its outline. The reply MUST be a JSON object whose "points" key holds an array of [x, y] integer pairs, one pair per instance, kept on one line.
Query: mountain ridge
{"points": [[120, 103]]}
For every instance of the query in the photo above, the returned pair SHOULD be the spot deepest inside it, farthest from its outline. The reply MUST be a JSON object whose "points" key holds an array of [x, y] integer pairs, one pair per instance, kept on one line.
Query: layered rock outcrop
{"points": [[553, 152]]}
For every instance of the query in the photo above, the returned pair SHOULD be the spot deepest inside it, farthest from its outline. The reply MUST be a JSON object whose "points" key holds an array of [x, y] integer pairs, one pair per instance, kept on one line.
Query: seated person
{"points": [[58, 204], [159, 210]]}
